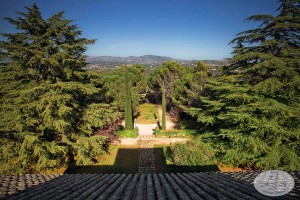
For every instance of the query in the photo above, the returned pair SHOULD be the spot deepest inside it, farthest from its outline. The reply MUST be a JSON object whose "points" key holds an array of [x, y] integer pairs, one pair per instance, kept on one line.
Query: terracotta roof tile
{"points": [[203, 185]]}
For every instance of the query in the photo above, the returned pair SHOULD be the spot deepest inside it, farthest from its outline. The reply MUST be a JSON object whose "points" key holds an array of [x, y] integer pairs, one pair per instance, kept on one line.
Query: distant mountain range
{"points": [[149, 61], [146, 59]]}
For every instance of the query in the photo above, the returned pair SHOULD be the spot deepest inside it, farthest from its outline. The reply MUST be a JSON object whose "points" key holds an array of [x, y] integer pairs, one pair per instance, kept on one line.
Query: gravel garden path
{"points": [[146, 154], [146, 143], [146, 140]]}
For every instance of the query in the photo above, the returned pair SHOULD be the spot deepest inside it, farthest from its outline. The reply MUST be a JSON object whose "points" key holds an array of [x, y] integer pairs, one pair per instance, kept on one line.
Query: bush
{"points": [[132, 133], [176, 133], [193, 153]]}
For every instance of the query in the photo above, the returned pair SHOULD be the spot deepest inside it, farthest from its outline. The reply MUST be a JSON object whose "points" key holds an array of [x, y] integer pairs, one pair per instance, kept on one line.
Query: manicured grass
{"points": [[120, 159], [124, 159], [127, 133], [110, 157], [161, 165], [146, 113]]}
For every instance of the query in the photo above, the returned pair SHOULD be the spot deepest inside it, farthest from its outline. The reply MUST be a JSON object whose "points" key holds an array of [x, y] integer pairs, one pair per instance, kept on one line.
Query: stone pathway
{"points": [[146, 154], [146, 129], [146, 140]]}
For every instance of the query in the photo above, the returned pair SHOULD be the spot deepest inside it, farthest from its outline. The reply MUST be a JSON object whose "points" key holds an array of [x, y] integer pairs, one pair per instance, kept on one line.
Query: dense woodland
{"points": [[53, 111]]}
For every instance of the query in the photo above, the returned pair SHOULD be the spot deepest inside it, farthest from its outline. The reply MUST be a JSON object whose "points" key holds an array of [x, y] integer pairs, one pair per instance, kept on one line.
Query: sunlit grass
{"points": [[146, 113], [110, 157], [127, 133]]}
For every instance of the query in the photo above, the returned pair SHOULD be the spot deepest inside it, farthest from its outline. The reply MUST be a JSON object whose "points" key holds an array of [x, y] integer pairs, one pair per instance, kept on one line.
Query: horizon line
{"points": [[91, 56]]}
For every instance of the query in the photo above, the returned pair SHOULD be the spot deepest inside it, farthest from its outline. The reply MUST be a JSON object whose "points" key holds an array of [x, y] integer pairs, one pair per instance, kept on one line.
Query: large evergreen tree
{"points": [[119, 83], [50, 107], [48, 49], [254, 112], [162, 81], [187, 89]]}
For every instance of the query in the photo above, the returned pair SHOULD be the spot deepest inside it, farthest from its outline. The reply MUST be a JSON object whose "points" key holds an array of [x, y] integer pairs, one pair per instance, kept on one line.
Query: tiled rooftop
{"points": [[208, 185]]}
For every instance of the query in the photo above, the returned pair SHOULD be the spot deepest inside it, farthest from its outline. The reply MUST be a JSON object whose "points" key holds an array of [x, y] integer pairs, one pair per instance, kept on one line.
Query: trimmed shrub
{"points": [[193, 153], [176, 133]]}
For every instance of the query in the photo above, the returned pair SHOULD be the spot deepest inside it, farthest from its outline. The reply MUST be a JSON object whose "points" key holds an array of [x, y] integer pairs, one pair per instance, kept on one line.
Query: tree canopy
{"points": [[253, 111], [48, 49], [113, 83], [50, 107]]}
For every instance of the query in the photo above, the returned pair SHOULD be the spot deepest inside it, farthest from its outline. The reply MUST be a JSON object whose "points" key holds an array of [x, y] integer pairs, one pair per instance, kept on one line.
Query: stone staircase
{"points": [[146, 154]]}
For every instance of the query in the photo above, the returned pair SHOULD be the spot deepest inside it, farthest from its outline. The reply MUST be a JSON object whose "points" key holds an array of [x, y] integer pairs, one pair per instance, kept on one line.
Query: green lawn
{"points": [[124, 159], [146, 113], [127, 133], [120, 159], [162, 167]]}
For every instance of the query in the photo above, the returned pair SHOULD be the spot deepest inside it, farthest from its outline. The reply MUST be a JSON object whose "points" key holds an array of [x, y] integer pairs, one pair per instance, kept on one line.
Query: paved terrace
{"points": [[209, 185]]}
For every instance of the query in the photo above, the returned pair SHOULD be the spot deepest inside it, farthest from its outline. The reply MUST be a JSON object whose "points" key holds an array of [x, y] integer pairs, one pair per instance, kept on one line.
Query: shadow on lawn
{"points": [[162, 167], [127, 162]]}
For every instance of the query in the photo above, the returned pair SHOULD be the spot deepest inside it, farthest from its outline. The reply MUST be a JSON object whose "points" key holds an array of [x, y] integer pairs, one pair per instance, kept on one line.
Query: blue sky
{"points": [[187, 29]]}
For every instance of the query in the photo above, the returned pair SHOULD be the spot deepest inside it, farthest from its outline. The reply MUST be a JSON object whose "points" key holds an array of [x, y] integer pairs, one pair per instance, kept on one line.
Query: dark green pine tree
{"points": [[50, 108], [253, 113], [186, 90], [128, 107], [49, 49], [113, 83], [162, 81]]}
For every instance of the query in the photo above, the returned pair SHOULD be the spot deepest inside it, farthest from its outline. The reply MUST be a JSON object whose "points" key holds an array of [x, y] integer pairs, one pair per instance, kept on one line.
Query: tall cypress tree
{"points": [[164, 106], [128, 107]]}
